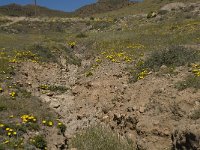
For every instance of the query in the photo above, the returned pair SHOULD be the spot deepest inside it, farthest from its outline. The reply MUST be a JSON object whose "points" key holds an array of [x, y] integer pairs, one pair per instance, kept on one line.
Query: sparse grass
{"points": [[81, 35], [72, 59], [43, 52], [55, 88], [191, 81], [4, 67], [98, 138]]}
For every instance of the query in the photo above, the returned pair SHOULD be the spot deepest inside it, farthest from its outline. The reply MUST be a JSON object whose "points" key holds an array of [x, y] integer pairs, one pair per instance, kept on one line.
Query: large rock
{"points": [[173, 6], [186, 138]]}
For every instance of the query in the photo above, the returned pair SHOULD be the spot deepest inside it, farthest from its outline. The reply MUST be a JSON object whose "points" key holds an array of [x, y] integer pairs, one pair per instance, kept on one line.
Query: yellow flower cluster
{"points": [[44, 87], [142, 74], [60, 124], [13, 94], [47, 123], [98, 60], [117, 56], [6, 142], [1, 125], [10, 132], [196, 69], [23, 56], [28, 118], [72, 44]]}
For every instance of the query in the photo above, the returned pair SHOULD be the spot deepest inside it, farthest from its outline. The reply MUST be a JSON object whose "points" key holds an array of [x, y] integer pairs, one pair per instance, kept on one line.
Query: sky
{"points": [[65, 5]]}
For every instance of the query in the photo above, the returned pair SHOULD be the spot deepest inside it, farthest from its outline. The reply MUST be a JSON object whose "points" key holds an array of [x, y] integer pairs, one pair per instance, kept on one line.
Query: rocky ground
{"points": [[151, 112]]}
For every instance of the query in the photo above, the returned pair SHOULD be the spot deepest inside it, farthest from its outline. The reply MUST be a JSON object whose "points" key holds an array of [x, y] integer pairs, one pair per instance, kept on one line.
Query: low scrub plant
{"points": [[191, 81], [99, 138], [172, 57]]}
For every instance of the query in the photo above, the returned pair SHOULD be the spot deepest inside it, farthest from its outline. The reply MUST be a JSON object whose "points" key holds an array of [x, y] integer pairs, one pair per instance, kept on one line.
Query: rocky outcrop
{"points": [[186, 138]]}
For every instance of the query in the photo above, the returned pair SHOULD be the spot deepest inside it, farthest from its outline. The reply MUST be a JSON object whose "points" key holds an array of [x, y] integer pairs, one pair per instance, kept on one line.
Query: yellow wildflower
{"points": [[1, 89], [11, 116], [59, 124], [50, 123], [11, 130], [7, 141], [13, 94], [9, 133]]}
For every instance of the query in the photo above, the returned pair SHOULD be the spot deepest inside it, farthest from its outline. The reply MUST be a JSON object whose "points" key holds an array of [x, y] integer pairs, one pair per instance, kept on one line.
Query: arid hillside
{"points": [[126, 79]]}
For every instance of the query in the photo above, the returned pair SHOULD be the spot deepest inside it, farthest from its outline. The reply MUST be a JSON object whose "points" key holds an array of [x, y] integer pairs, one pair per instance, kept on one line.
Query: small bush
{"points": [[195, 115], [89, 73], [39, 142], [72, 59], [43, 52], [172, 57], [2, 107], [81, 35], [98, 138], [55, 88], [191, 81]]}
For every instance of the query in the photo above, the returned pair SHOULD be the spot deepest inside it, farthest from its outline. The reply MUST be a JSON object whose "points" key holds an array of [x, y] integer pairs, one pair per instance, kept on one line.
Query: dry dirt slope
{"points": [[151, 112]]}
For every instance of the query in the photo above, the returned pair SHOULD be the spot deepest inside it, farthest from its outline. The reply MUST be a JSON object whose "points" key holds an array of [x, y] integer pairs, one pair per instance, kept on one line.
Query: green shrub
{"points": [[2, 107], [173, 57], [43, 52], [98, 138], [191, 81], [39, 142], [55, 88], [89, 73]]}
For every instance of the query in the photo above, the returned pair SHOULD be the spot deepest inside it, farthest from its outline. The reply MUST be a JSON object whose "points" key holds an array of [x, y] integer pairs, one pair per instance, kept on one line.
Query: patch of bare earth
{"points": [[150, 112]]}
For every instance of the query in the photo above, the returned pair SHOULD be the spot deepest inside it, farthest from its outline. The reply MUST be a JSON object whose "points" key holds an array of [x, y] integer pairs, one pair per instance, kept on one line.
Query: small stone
{"points": [[29, 84], [197, 103], [156, 122], [163, 67], [50, 94], [80, 117], [105, 118], [130, 109], [142, 109]]}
